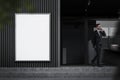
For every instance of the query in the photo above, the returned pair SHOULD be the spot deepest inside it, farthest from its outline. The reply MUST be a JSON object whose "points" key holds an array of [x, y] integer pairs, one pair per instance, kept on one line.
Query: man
{"points": [[97, 43]]}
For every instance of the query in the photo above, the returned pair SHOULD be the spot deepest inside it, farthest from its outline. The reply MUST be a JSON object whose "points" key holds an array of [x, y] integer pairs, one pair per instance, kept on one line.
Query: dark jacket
{"points": [[97, 38]]}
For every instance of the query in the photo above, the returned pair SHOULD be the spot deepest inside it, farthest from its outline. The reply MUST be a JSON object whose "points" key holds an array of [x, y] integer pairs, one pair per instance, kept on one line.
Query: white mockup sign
{"points": [[32, 37]]}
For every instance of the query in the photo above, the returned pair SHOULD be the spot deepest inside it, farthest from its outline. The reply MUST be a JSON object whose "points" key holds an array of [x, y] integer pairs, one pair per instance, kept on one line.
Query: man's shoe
{"points": [[93, 64], [100, 65]]}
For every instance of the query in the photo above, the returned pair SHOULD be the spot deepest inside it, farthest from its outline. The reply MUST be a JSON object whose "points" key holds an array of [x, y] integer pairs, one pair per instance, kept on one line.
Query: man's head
{"points": [[98, 26]]}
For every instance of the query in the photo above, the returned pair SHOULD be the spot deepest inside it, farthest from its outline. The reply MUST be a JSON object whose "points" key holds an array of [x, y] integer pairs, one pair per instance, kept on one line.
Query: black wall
{"points": [[7, 35], [73, 39]]}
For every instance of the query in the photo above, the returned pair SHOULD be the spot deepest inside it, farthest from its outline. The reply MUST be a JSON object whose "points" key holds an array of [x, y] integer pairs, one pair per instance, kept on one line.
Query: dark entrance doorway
{"points": [[73, 42], [73, 32]]}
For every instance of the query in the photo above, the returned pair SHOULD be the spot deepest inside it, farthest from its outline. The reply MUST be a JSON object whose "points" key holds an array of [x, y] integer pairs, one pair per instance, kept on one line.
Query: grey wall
{"points": [[112, 29], [7, 35], [109, 26]]}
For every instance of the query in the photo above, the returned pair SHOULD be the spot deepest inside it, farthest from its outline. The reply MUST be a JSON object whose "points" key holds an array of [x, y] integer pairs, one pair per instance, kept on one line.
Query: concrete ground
{"points": [[60, 73]]}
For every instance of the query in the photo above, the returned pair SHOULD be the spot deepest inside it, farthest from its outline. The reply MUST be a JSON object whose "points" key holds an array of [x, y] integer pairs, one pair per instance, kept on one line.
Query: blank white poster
{"points": [[32, 37]]}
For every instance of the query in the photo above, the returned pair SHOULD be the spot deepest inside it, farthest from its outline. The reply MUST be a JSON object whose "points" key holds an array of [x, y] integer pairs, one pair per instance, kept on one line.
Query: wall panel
{"points": [[7, 34]]}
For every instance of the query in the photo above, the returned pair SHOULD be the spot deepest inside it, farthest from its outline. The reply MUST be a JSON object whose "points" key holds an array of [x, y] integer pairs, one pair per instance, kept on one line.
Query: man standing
{"points": [[97, 43]]}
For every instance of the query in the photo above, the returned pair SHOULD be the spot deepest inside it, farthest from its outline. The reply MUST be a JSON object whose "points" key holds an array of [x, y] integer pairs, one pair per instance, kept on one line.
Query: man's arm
{"points": [[103, 33]]}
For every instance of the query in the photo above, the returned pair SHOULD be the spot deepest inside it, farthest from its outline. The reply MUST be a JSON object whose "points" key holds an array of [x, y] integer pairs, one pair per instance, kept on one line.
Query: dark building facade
{"points": [[7, 34], [71, 28]]}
